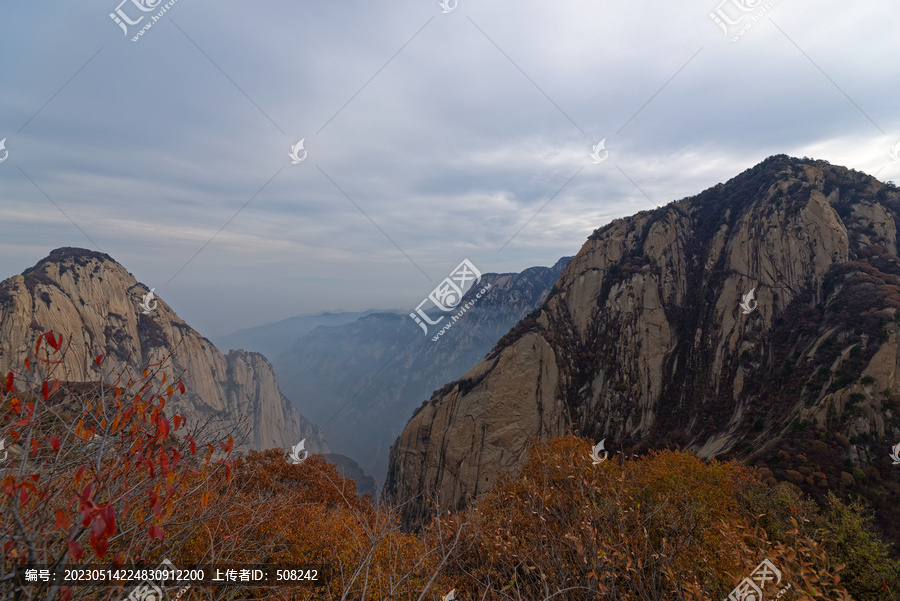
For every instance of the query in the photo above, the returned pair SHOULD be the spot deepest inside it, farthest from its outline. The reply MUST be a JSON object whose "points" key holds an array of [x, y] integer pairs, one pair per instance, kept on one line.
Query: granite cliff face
{"points": [[95, 303], [643, 342], [361, 380]]}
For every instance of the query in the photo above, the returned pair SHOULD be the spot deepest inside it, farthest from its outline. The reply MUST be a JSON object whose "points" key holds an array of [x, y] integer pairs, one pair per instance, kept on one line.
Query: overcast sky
{"points": [[431, 136]]}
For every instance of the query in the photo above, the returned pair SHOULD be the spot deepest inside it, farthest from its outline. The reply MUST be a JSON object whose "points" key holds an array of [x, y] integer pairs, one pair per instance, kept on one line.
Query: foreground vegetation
{"points": [[102, 474]]}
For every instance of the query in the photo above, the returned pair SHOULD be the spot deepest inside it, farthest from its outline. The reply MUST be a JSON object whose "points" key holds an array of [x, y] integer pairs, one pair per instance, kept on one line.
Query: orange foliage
{"points": [[668, 525], [102, 472], [90, 476]]}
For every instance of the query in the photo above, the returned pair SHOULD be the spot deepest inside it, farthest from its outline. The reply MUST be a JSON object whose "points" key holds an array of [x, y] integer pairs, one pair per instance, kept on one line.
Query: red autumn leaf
{"points": [[14, 434], [162, 428], [55, 387], [54, 443], [24, 495], [109, 516], [157, 532], [10, 380], [62, 520], [177, 421], [99, 535], [16, 405], [27, 420], [34, 446], [176, 457], [75, 550], [163, 464], [98, 359], [37, 344], [45, 390], [79, 473], [85, 505], [193, 447], [53, 341], [66, 593], [28, 363]]}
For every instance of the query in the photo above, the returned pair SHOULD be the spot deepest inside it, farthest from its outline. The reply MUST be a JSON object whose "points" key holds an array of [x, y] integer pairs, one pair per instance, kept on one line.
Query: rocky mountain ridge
{"points": [[274, 338], [643, 342], [95, 304]]}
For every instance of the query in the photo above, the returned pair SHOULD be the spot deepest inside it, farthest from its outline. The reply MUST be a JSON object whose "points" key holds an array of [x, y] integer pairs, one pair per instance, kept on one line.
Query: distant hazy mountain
{"points": [[362, 380], [274, 338]]}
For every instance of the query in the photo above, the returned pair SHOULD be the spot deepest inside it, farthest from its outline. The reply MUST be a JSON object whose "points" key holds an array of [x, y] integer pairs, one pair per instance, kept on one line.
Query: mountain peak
{"points": [[94, 302], [68, 255], [643, 340]]}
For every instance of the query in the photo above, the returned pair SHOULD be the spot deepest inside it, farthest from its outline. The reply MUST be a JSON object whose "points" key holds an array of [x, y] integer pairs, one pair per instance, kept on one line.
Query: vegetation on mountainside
{"points": [[810, 413], [99, 474], [663, 526]]}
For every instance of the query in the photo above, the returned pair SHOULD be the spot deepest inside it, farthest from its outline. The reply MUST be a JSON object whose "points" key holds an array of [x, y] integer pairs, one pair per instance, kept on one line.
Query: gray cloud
{"points": [[449, 149]]}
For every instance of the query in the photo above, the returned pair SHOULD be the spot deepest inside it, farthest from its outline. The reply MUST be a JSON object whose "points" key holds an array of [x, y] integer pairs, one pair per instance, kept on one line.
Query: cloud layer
{"points": [[431, 136]]}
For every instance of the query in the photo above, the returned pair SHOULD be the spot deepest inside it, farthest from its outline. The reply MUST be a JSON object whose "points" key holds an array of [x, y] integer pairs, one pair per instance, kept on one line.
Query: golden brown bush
{"points": [[665, 526], [101, 472]]}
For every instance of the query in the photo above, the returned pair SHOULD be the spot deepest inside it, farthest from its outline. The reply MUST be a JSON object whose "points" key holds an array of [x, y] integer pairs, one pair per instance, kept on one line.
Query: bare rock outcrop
{"points": [[95, 304], [643, 341]]}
